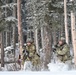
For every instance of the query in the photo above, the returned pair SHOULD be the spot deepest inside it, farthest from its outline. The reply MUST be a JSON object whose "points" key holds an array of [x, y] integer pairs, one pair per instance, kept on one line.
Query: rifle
{"points": [[25, 54]]}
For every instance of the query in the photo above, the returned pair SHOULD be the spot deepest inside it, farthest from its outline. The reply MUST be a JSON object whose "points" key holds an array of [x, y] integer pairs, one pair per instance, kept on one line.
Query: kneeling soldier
{"points": [[30, 53], [63, 50]]}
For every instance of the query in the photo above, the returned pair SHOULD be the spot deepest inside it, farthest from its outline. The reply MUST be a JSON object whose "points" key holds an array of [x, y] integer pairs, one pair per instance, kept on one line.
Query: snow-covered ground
{"points": [[39, 73]]}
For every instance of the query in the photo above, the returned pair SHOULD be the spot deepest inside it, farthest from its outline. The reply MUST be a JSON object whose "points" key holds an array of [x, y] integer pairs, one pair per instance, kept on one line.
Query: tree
{"points": [[14, 33], [73, 30], [2, 27], [2, 49], [36, 40], [65, 21], [48, 46], [20, 36]]}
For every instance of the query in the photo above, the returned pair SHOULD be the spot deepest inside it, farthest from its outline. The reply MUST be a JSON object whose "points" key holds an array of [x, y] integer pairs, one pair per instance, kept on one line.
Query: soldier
{"points": [[63, 50], [30, 53]]}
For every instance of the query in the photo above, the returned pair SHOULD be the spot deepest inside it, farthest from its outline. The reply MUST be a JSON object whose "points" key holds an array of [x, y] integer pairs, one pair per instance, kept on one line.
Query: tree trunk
{"points": [[14, 28], [20, 36], [65, 22], [14, 37], [48, 47], [6, 39], [54, 38], [36, 40], [2, 49], [62, 25], [14, 33], [42, 37], [73, 30], [6, 31]]}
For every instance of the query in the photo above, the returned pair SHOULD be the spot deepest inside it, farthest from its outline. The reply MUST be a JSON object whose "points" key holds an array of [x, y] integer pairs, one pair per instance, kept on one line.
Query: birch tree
{"points": [[65, 22], [73, 30]]}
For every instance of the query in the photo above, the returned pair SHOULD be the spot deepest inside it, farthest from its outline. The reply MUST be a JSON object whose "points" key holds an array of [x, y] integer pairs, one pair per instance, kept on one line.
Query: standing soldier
{"points": [[63, 50], [30, 54]]}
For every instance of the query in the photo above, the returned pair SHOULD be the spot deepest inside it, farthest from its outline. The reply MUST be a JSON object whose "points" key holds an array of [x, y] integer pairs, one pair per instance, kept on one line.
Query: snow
{"points": [[8, 48], [38, 73], [28, 66], [58, 67], [11, 67], [10, 18], [9, 5]]}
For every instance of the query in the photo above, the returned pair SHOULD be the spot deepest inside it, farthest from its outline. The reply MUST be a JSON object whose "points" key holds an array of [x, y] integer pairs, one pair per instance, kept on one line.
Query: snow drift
{"points": [[58, 67]]}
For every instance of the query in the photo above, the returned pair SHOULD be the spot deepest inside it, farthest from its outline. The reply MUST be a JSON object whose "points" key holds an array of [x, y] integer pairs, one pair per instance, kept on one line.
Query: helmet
{"points": [[29, 40], [62, 39]]}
